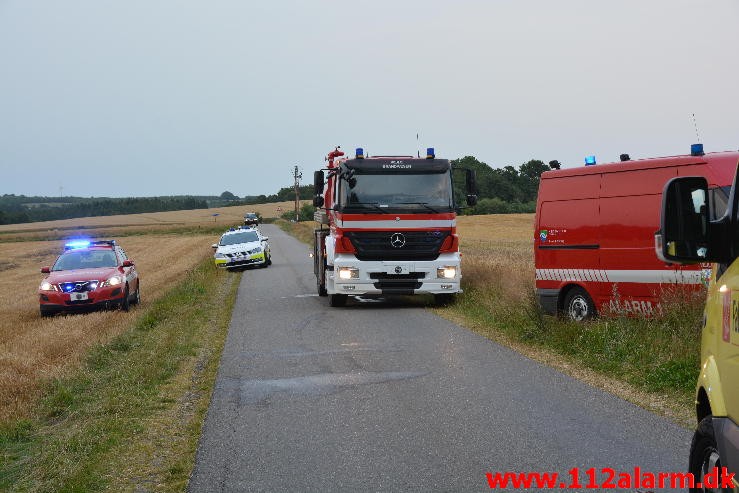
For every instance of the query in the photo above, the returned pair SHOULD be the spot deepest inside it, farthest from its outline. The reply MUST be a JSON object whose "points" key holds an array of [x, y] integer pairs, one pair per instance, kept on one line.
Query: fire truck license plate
{"points": [[77, 296]]}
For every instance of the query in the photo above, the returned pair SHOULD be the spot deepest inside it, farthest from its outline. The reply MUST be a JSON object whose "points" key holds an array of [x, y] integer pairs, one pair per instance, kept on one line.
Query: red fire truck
{"points": [[387, 227], [594, 233]]}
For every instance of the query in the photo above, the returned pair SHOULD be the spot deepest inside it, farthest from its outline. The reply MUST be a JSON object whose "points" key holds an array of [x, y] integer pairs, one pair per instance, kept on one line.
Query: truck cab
{"points": [[689, 235]]}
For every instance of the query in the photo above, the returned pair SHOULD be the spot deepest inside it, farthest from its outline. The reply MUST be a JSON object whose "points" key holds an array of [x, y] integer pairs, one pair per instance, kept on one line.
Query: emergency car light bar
{"points": [[696, 150], [77, 244], [360, 153], [430, 153], [589, 160]]}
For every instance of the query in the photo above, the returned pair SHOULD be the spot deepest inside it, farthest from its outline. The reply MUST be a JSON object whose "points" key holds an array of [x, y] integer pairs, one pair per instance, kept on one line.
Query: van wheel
{"points": [[704, 454], [337, 299], [578, 305]]}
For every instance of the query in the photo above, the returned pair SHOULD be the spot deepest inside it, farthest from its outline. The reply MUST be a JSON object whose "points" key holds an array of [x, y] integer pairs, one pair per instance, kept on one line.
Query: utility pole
{"points": [[297, 175]]}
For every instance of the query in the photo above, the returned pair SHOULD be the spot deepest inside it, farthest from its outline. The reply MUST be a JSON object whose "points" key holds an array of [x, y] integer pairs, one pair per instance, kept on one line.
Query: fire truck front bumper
{"points": [[354, 277]]}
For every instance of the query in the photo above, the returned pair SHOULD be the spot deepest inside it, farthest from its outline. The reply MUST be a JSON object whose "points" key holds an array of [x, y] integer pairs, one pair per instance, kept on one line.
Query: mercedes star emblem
{"points": [[397, 240]]}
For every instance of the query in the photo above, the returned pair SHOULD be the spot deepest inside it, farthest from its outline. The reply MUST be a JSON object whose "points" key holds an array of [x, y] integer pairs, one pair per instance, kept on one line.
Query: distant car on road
{"points": [[89, 274], [242, 247], [251, 218]]}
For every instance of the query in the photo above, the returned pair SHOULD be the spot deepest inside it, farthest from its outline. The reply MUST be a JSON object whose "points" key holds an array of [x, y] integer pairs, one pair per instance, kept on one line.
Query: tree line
{"points": [[16, 209]]}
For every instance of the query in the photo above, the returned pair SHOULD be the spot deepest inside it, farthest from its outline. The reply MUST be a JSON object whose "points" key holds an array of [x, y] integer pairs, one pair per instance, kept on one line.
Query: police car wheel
{"points": [[578, 305], [137, 295], [704, 454]]}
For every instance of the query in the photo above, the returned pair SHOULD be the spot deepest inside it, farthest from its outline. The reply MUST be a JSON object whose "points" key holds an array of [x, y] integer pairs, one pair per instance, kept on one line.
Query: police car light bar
{"points": [[76, 244], [589, 160], [360, 153]]}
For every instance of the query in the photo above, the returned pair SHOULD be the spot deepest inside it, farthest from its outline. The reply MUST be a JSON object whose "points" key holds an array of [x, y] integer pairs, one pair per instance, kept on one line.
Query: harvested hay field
{"points": [[146, 223], [34, 350], [497, 249]]}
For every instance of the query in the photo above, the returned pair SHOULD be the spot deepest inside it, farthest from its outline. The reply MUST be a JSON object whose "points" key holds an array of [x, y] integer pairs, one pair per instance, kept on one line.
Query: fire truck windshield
{"points": [[398, 192]]}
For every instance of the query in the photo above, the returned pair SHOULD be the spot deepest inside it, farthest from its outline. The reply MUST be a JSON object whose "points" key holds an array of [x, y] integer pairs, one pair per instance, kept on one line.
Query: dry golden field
{"points": [[148, 222], [33, 349], [497, 249]]}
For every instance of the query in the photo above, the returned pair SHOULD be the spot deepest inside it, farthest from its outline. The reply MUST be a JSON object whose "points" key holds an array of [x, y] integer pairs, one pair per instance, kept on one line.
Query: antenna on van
{"points": [[695, 125]]}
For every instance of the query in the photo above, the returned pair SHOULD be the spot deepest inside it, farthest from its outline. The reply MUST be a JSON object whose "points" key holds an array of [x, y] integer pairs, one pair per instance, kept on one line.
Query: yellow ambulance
{"points": [[687, 235]]}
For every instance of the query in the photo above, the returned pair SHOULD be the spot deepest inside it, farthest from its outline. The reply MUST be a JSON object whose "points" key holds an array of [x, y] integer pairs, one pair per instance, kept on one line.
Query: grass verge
{"points": [[303, 231], [130, 418]]}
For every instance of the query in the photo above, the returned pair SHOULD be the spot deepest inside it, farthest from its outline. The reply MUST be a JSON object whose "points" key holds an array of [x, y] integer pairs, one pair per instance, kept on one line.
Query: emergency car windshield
{"points": [[414, 193], [236, 238], [85, 259]]}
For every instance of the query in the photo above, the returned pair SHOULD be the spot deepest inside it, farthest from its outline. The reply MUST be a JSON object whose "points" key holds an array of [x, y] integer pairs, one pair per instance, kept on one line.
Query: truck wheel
{"points": [[704, 454], [321, 288], [578, 305], [443, 299], [337, 299]]}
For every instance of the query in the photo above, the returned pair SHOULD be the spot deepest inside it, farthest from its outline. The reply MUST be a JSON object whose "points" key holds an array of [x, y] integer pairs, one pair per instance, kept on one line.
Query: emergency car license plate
{"points": [[77, 296]]}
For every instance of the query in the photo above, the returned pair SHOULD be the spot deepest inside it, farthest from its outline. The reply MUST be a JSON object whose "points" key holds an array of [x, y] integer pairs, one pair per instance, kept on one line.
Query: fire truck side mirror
{"points": [[318, 180], [685, 228], [471, 200], [317, 201], [471, 182]]}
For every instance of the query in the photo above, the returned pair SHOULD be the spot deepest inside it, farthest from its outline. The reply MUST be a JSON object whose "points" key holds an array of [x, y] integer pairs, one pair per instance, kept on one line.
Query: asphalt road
{"points": [[389, 397]]}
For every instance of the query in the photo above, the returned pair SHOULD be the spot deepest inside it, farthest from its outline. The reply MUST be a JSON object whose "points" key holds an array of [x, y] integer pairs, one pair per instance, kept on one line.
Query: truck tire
{"points": [[443, 299], [578, 305], [704, 454], [337, 299], [321, 287]]}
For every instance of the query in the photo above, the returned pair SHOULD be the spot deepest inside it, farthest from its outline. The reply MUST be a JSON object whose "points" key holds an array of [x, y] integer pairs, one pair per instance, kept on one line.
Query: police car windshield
{"points": [[85, 259], [242, 237], [416, 193]]}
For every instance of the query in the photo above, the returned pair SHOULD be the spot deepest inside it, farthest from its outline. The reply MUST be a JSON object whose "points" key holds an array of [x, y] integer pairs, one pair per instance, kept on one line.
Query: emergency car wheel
{"points": [[578, 305], [125, 302], [337, 300], [704, 454], [47, 312], [137, 295]]}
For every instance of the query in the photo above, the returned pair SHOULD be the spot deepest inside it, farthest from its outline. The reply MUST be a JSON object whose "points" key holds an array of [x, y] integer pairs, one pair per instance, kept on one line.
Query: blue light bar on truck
{"points": [[430, 153], [360, 153], [589, 160], [696, 150]]}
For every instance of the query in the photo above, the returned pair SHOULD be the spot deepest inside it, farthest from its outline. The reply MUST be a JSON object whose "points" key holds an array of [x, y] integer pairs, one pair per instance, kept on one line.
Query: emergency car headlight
{"points": [[47, 286], [113, 281], [219, 255], [255, 250], [348, 273], [446, 272]]}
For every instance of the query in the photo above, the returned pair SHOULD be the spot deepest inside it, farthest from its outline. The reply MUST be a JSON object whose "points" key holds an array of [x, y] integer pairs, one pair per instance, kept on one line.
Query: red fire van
{"points": [[594, 233]]}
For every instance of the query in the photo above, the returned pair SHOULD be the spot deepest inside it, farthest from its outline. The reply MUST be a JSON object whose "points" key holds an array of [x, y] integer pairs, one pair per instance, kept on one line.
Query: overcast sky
{"points": [[143, 97]]}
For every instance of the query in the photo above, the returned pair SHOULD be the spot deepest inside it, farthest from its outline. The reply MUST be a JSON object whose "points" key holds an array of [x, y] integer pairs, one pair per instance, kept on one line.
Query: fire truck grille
{"points": [[397, 245], [390, 283]]}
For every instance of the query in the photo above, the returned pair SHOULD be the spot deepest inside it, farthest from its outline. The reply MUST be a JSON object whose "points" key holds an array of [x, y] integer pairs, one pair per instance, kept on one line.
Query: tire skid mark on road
{"points": [[247, 392]]}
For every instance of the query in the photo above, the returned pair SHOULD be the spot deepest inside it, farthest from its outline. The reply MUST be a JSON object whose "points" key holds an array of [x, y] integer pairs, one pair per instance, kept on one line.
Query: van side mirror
{"points": [[685, 228]]}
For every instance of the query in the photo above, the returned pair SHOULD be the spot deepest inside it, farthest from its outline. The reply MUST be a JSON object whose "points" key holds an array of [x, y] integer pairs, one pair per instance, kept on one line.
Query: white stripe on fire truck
{"points": [[402, 224], [618, 276]]}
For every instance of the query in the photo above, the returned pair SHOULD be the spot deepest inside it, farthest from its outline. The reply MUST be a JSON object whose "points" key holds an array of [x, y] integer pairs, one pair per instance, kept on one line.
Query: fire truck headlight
{"points": [[348, 273], [446, 272]]}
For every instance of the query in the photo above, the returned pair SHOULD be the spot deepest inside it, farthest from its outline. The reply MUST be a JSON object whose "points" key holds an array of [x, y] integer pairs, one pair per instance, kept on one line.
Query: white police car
{"points": [[242, 247]]}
